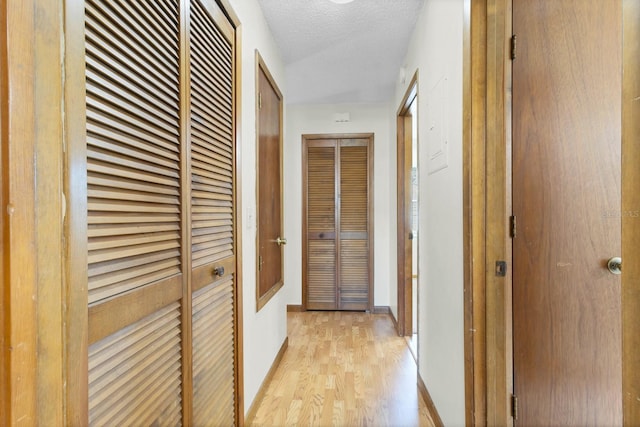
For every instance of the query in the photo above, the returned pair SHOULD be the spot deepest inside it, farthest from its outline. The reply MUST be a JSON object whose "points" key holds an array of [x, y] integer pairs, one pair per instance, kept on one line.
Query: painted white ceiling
{"points": [[341, 53]]}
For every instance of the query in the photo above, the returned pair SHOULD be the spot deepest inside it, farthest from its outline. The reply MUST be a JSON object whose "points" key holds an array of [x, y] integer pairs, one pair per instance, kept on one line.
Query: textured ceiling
{"points": [[349, 53]]}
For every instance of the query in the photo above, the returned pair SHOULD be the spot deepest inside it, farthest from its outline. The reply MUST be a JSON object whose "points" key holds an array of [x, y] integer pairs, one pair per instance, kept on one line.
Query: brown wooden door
{"points": [[211, 354], [319, 253], [270, 251], [338, 240], [566, 199], [160, 193]]}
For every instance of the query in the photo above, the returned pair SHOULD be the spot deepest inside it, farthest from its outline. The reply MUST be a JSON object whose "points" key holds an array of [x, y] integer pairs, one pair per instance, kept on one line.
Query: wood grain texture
{"points": [[319, 220], [146, 356], [213, 215], [133, 145], [49, 213], [31, 71], [213, 354], [269, 125], [20, 132], [631, 212], [338, 222], [498, 209], [186, 287], [344, 369], [354, 228], [566, 197], [76, 272], [431, 407], [404, 153], [474, 145], [4, 179]]}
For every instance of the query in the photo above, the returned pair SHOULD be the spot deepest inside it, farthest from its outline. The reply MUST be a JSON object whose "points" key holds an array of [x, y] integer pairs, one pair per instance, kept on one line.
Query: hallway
{"points": [[343, 369]]}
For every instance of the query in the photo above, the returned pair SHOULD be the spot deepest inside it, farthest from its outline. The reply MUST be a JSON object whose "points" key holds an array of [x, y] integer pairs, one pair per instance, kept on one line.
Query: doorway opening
{"points": [[407, 176]]}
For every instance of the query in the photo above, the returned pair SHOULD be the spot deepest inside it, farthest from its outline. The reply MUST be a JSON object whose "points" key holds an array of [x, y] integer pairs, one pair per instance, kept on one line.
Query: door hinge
{"points": [[260, 262], [259, 100], [514, 406], [513, 47], [512, 226]]}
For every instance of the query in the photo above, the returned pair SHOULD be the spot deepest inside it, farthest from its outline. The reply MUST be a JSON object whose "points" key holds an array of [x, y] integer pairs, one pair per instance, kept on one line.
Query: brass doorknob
{"points": [[280, 241], [615, 265]]}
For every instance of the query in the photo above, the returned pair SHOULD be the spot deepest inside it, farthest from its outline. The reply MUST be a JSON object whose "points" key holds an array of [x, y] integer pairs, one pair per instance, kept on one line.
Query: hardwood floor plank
{"points": [[343, 369]]}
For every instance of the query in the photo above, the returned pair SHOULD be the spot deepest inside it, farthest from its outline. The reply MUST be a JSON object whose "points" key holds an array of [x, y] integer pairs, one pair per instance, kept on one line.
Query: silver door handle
{"points": [[280, 241], [615, 265]]}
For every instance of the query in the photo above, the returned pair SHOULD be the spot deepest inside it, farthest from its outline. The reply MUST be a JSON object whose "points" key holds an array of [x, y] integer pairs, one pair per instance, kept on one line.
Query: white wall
{"points": [[436, 52], [264, 332], [315, 119]]}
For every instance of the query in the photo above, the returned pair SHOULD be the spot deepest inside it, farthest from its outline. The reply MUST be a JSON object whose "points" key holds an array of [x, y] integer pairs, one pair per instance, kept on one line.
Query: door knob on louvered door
{"points": [[615, 265]]}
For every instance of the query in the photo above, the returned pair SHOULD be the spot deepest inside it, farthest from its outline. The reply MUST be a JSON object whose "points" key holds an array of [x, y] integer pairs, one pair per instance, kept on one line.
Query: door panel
{"points": [[213, 359], [566, 198], [133, 145], [147, 358], [134, 223], [354, 225], [270, 253], [212, 219], [321, 263]]}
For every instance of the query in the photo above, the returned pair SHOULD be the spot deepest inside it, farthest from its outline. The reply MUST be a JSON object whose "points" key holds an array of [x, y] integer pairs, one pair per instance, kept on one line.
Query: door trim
{"points": [[31, 127], [262, 300], [630, 211], [311, 137], [404, 139], [487, 118]]}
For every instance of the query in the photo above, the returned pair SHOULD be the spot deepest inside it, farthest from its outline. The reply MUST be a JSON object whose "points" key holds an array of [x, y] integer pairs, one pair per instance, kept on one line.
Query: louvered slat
{"points": [[212, 140], [321, 214], [354, 199], [354, 274], [321, 275], [213, 354], [133, 132], [135, 374]]}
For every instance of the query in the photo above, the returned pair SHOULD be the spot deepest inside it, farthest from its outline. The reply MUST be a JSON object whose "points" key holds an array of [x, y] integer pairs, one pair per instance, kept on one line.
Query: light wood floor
{"points": [[343, 369]]}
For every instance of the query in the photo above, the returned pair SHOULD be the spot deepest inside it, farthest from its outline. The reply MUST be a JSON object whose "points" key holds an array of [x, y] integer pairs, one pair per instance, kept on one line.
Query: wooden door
{"points": [[319, 228], [566, 200], [212, 351], [337, 222], [270, 230], [160, 199]]}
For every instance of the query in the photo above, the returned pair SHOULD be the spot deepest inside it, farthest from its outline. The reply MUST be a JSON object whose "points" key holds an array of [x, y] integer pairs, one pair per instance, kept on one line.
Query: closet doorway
{"points": [[408, 215], [337, 255]]}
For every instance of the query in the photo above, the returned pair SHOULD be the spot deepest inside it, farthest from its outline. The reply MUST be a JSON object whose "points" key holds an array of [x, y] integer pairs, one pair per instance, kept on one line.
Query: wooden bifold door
{"points": [[337, 222], [153, 184]]}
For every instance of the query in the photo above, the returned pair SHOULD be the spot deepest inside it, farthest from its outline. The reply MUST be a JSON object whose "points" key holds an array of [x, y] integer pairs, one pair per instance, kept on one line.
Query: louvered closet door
{"points": [[354, 225], [161, 231], [338, 253], [134, 224], [212, 215], [321, 263]]}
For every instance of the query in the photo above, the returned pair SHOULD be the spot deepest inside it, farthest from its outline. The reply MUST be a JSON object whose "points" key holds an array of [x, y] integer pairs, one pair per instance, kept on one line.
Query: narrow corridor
{"points": [[343, 369]]}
